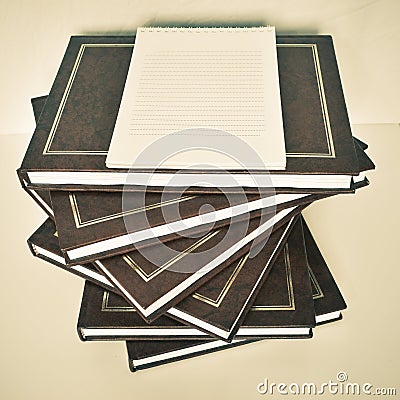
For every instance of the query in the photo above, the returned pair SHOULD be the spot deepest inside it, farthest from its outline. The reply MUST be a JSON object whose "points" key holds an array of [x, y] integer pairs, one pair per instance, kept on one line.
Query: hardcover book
{"points": [[146, 354], [328, 300], [362, 144], [95, 225], [283, 307], [154, 281], [44, 244], [328, 303], [364, 162], [234, 288], [158, 277], [71, 141], [42, 197], [37, 106], [220, 305]]}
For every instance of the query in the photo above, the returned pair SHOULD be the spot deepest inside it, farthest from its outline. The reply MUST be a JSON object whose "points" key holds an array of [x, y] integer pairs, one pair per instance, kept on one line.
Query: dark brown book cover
{"points": [[220, 305], [94, 225], [37, 106], [85, 228], [234, 288], [154, 281], [41, 197], [328, 300], [283, 307], [82, 215], [44, 244], [73, 136], [364, 162], [363, 145], [146, 354]]}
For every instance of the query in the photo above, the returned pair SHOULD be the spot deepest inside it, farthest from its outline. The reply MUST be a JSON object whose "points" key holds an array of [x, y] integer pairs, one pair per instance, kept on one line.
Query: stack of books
{"points": [[185, 268]]}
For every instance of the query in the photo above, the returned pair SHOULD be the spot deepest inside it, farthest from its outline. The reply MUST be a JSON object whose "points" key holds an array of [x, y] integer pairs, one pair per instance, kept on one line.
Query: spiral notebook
{"points": [[193, 94]]}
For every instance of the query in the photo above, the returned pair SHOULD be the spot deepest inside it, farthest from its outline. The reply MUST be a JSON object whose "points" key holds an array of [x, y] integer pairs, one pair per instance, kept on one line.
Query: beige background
{"points": [[366, 34], [42, 357]]}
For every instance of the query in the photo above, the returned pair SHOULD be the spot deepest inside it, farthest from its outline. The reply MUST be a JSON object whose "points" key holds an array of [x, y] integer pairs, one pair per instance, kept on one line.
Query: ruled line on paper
{"points": [[223, 82], [221, 77]]}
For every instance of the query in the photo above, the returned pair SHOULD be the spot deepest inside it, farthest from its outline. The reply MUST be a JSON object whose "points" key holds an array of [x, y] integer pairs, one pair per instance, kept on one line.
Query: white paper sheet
{"points": [[202, 87]]}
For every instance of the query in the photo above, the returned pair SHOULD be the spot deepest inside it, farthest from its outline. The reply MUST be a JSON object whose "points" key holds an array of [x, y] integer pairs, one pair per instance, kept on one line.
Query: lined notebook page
{"points": [[209, 82]]}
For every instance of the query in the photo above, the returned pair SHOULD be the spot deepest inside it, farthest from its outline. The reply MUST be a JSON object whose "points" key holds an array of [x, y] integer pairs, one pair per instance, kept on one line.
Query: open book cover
{"points": [[68, 150]]}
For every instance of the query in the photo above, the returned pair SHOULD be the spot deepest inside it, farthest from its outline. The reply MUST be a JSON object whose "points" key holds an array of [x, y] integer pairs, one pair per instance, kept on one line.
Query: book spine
{"points": [[82, 314]]}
